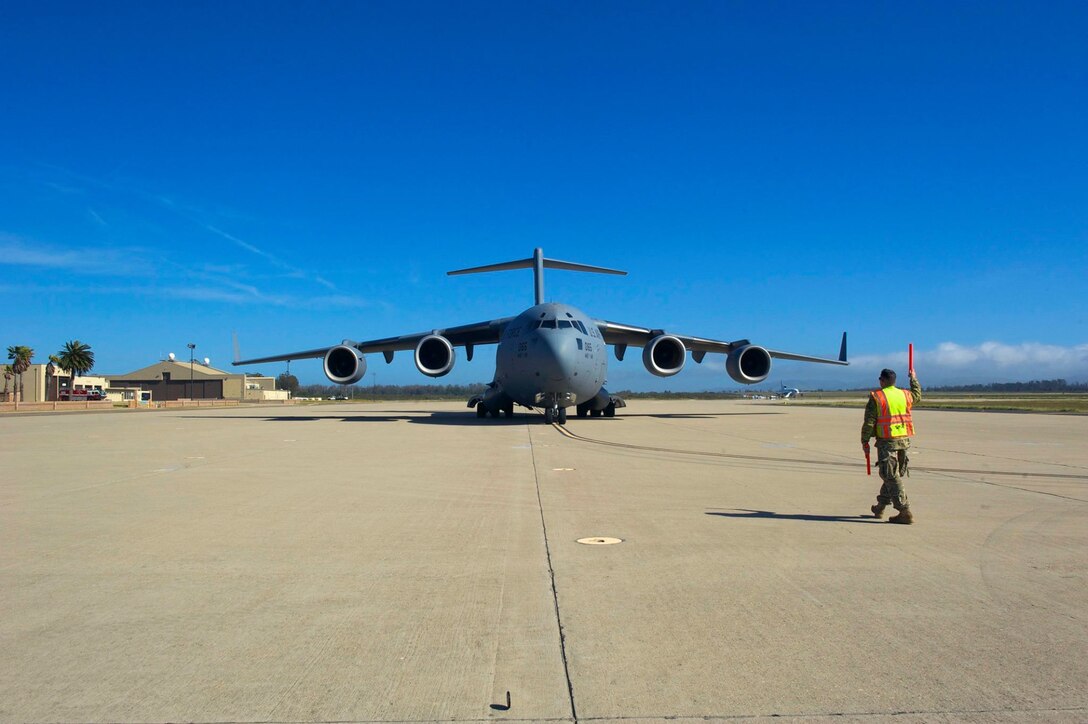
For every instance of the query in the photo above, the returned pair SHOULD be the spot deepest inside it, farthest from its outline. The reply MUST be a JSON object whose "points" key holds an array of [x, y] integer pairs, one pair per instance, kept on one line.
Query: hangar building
{"points": [[176, 380], [166, 380]]}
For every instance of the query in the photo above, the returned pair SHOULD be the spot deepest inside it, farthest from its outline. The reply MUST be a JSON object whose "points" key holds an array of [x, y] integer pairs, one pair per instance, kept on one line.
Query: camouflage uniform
{"points": [[891, 454]]}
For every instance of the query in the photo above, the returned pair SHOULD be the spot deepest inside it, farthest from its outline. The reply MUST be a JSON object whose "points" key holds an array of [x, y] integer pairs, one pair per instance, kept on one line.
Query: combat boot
{"points": [[904, 517], [878, 510]]}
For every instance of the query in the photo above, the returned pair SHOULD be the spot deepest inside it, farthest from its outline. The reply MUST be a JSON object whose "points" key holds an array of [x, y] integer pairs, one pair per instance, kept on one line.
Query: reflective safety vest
{"points": [[893, 413]]}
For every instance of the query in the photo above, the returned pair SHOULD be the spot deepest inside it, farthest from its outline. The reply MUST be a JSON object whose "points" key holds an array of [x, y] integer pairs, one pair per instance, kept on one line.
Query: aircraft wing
{"points": [[626, 335], [466, 335]]}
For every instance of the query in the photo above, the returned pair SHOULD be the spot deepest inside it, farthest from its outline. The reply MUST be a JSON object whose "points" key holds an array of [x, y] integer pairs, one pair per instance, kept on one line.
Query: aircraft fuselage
{"points": [[551, 355]]}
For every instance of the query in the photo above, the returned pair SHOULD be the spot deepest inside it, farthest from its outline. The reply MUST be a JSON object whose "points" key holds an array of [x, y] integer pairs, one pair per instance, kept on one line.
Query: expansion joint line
{"points": [[551, 575]]}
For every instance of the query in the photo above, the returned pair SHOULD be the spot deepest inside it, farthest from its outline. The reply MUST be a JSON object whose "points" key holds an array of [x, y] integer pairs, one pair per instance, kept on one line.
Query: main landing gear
{"points": [[608, 411], [506, 410], [555, 414]]}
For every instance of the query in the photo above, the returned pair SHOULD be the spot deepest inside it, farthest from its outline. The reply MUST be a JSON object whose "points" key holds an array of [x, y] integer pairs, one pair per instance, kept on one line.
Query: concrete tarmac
{"points": [[408, 562]]}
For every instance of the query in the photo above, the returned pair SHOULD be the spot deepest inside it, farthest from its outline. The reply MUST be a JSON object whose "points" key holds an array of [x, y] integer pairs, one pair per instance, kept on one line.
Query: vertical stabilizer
{"points": [[538, 274]]}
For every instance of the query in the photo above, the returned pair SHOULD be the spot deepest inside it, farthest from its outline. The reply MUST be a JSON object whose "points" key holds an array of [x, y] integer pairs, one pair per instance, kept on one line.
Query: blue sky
{"points": [[173, 172]]}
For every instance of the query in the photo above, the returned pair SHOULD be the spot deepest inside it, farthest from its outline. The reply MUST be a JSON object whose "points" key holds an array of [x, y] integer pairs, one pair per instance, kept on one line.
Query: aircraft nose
{"points": [[556, 362]]}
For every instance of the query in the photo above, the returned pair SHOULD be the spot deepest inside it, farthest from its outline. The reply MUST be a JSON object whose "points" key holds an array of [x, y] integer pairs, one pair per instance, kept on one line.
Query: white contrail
{"points": [[301, 273]]}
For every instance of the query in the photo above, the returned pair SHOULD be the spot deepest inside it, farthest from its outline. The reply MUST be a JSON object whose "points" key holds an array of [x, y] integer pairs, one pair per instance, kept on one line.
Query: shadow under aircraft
{"points": [[552, 356]]}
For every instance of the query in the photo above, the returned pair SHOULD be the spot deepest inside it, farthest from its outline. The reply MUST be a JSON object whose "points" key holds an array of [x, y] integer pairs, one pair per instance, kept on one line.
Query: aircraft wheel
{"points": [[610, 411], [583, 412], [562, 416], [508, 411], [549, 416], [595, 413], [481, 411]]}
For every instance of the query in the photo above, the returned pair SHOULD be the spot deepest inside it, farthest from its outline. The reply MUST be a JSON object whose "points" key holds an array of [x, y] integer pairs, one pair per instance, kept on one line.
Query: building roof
{"points": [[177, 369]]}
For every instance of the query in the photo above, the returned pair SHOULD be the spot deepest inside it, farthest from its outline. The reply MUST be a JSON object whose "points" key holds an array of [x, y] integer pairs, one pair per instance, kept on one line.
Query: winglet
{"points": [[842, 349]]}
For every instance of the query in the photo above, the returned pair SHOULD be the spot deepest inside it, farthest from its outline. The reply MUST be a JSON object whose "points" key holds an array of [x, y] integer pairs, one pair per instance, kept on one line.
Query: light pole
{"points": [[191, 347]]}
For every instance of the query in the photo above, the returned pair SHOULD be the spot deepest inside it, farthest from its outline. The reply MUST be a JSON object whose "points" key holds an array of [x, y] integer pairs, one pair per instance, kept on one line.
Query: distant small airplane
{"points": [[551, 356], [788, 392]]}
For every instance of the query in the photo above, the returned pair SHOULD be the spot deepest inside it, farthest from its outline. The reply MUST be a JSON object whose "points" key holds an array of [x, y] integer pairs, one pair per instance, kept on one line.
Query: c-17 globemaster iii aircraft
{"points": [[551, 356]]}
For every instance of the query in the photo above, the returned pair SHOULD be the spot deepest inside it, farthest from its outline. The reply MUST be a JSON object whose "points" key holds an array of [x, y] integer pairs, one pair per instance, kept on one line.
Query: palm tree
{"points": [[8, 374], [20, 357], [77, 358], [51, 388]]}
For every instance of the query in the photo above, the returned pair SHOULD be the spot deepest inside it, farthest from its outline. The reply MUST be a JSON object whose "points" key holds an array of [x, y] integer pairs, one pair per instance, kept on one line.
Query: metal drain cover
{"points": [[599, 541]]}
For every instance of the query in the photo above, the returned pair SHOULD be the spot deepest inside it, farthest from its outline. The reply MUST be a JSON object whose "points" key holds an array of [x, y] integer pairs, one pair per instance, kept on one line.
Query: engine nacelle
{"points": [[664, 355], [344, 365], [748, 364], [434, 355]]}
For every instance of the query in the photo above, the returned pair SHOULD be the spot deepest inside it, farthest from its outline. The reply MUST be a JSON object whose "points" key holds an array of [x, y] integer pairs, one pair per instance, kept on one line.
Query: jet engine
{"points": [[664, 355], [748, 364], [344, 365], [434, 355]]}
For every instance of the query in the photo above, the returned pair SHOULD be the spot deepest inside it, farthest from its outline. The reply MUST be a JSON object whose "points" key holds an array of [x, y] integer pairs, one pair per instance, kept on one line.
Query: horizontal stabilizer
{"points": [[504, 266], [538, 264], [572, 266], [528, 264]]}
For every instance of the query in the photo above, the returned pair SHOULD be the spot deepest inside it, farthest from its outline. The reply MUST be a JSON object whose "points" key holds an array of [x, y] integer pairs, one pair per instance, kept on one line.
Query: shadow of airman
{"points": [[769, 514]]}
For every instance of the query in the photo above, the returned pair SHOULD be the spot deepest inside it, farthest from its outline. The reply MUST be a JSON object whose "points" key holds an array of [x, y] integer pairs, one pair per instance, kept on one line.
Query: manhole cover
{"points": [[599, 541]]}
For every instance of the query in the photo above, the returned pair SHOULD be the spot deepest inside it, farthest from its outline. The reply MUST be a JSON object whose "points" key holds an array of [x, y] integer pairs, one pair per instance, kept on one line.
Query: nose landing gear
{"points": [[555, 414]]}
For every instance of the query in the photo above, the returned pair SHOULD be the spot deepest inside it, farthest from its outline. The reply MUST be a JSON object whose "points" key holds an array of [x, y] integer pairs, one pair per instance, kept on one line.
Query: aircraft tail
{"points": [[538, 264]]}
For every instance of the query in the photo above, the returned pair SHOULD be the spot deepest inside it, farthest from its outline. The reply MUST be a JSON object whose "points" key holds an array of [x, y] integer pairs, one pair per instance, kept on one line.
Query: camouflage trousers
{"points": [[891, 462]]}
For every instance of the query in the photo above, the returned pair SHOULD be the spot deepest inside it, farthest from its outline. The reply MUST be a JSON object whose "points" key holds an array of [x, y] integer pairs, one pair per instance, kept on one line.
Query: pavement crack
{"points": [[551, 575], [957, 474]]}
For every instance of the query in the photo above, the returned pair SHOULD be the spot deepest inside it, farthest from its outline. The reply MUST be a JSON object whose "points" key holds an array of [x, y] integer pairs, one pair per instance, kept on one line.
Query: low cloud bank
{"points": [[955, 364]]}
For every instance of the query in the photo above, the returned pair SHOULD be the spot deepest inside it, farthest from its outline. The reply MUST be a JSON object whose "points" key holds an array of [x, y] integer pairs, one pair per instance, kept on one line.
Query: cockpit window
{"points": [[548, 324], [564, 324]]}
